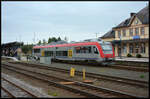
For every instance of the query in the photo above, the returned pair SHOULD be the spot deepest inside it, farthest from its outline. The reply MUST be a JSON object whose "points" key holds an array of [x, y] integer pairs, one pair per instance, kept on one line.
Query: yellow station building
{"points": [[132, 35]]}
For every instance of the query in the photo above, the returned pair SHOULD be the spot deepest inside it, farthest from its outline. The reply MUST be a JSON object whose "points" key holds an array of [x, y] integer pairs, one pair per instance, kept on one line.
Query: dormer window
{"points": [[136, 21]]}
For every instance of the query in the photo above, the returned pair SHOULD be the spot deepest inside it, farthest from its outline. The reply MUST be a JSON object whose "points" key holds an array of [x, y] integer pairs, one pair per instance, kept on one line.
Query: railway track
{"points": [[116, 66], [11, 90], [77, 87], [91, 75], [5, 93], [133, 68]]}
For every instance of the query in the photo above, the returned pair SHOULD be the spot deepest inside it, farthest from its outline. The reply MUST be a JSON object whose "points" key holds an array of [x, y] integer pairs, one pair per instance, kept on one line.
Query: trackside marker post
{"points": [[72, 72], [83, 74]]}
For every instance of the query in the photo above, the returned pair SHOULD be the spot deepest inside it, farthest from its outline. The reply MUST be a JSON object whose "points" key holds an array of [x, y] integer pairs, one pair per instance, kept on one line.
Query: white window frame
{"points": [[142, 30]]}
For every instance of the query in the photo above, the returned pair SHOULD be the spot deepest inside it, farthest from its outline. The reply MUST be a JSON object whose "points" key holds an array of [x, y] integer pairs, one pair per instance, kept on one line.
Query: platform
{"points": [[132, 59]]}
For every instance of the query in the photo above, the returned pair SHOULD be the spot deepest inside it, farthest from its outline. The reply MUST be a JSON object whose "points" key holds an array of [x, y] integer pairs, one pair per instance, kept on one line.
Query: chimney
{"points": [[131, 14]]}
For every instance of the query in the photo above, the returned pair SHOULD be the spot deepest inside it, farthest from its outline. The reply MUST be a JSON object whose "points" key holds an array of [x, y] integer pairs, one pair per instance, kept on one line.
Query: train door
{"points": [[95, 50], [70, 53], [54, 52]]}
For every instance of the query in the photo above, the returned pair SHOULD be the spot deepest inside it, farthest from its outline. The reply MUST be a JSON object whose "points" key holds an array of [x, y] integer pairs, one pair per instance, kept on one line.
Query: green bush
{"points": [[129, 55], [141, 76], [138, 55]]}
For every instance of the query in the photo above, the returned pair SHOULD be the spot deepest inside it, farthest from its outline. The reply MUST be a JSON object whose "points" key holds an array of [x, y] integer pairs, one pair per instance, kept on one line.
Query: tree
{"points": [[39, 43], [27, 48], [54, 39], [59, 39], [66, 39], [49, 40], [44, 41]]}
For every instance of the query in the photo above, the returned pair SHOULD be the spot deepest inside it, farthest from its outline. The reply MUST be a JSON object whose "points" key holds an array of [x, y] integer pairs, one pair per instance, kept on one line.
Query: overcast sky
{"points": [[75, 20]]}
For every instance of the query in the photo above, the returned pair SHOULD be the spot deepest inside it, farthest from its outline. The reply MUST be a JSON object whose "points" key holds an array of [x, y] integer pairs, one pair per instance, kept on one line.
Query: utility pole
{"points": [[96, 34], [34, 38]]}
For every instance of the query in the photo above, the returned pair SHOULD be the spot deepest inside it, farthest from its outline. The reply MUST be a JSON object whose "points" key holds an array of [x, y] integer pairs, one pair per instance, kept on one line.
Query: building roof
{"points": [[109, 34], [12, 44], [142, 15]]}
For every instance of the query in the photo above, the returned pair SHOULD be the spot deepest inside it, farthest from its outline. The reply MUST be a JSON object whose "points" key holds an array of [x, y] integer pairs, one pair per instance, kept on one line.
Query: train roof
{"points": [[66, 45]]}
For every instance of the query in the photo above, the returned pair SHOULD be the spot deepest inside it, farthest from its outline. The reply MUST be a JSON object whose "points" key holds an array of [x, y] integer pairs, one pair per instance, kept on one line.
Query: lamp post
{"points": [[120, 47]]}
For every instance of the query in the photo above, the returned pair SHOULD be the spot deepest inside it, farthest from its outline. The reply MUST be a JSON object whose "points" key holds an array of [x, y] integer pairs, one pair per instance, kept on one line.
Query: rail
{"points": [[94, 90]]}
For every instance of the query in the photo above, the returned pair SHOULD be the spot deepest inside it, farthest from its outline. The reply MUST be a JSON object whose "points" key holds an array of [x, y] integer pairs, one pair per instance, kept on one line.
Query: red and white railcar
{"points": [[99, 51]]}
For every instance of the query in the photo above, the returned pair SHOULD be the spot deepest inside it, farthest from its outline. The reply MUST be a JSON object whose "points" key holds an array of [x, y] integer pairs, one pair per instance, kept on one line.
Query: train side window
{"points": [[61, 53], [89, 49], [36, 50], [57, 54], [95, 50], [65, 53], [78, 49], [48, 53], [84, 49], [81, 50], [51, 53]]}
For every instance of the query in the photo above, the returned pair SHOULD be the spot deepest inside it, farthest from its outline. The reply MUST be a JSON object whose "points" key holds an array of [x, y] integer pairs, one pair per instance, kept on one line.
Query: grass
{"points": [[52, 93]]}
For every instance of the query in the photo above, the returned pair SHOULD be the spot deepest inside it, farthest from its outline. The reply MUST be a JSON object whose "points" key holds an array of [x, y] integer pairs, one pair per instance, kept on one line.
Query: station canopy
{"points": [[130, 41], [11, 44]]}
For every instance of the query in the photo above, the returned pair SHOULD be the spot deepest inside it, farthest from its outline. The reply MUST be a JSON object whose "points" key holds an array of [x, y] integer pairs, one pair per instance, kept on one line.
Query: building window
{"points": [[131, 32], [142, 48], [131, 48], [136, 48], [142, 31], [124, 49], [119, 33], [136, 45], [136, 31], [124, 32]]}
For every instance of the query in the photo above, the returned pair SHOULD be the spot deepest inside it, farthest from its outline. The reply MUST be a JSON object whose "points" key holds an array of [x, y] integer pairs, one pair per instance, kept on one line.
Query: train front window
{"points": [[106, 47]]}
